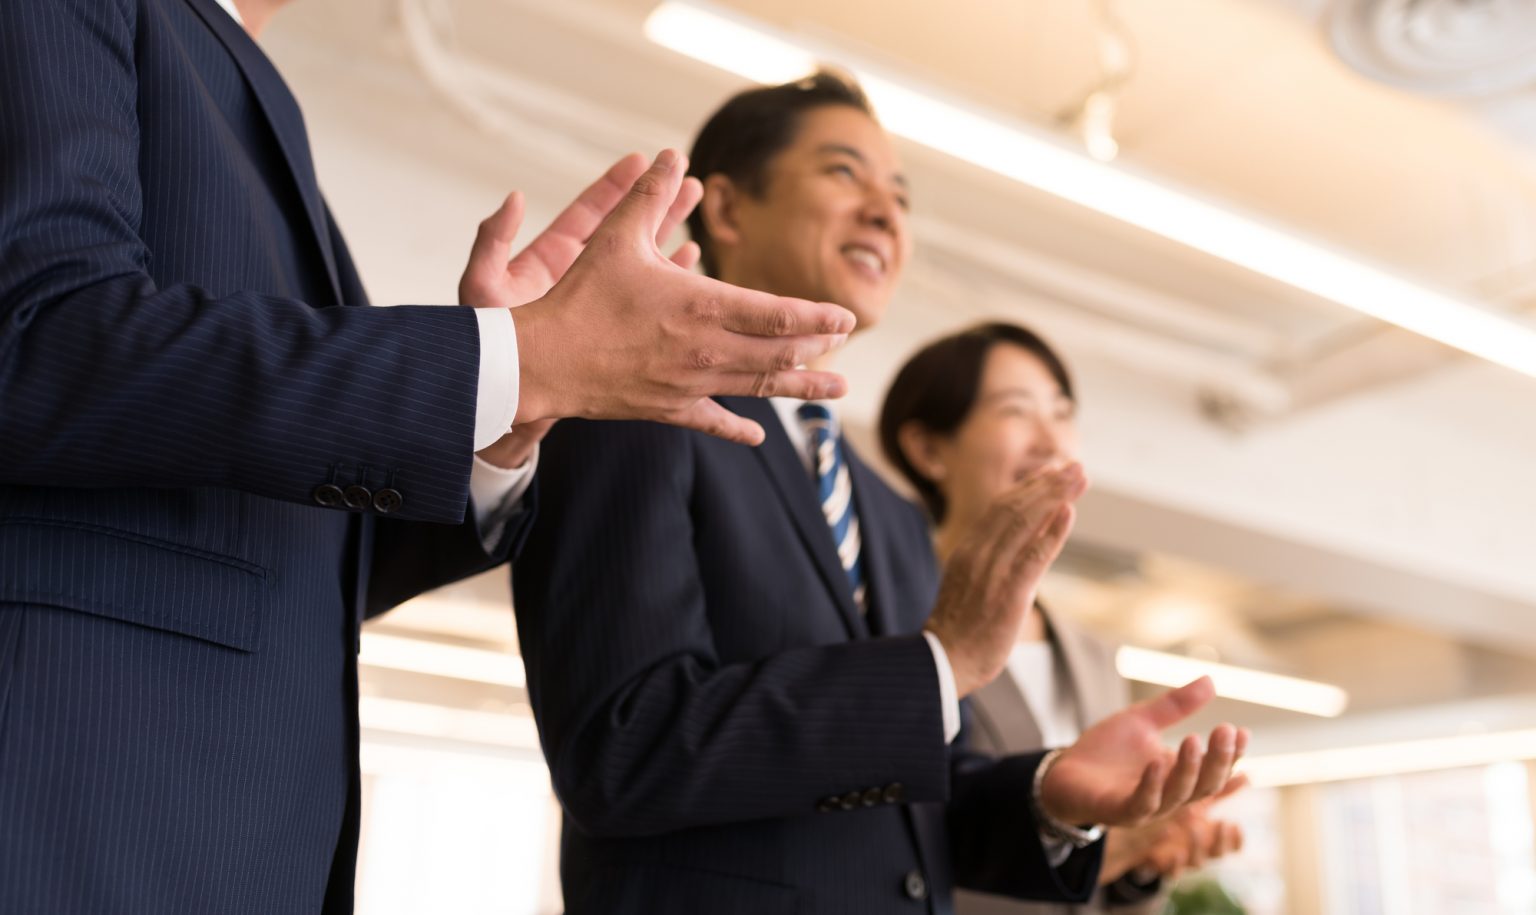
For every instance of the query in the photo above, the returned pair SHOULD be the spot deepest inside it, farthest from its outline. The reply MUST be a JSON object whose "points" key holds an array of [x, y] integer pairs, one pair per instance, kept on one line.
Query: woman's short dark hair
{"points": [[937, 388], [743, 136]]}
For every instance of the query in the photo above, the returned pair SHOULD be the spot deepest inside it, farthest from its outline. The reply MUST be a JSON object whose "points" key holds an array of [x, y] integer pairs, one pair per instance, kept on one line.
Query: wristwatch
{"points": [[1077, 836]]}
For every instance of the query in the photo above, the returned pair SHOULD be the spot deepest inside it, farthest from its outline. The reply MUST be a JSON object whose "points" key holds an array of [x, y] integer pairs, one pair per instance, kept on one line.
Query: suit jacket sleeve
{"points": [[646, 729], [107, 379], [411, 557]]}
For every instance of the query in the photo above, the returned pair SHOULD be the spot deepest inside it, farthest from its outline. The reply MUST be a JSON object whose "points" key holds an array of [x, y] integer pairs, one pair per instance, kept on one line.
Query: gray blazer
{"points": [[1001, 723]]}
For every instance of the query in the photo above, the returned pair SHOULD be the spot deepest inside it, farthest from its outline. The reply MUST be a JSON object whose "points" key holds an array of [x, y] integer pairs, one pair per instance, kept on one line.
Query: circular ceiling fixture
{"points": [[1443, 47]]}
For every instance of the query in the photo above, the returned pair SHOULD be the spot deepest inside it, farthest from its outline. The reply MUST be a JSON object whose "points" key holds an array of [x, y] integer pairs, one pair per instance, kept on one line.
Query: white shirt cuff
{"points": [[494, 495], [948, 695], [496, 397]]}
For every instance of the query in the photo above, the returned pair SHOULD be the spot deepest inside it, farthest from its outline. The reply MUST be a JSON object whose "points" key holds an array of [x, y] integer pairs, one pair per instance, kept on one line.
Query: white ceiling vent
{"points": [[1443, 47]]}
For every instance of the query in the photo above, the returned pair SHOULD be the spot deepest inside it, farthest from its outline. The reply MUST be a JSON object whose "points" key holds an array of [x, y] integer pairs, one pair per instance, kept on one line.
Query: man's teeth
{"points": [[866, 257]]}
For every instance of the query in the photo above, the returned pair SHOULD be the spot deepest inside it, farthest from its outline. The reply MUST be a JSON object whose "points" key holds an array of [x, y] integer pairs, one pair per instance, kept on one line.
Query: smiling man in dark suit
{"points": [[214, 463], [744, 666]]}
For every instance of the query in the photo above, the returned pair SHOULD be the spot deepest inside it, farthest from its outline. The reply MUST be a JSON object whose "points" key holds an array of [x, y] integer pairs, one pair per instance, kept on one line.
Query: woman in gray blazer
{"points": [[967, 418]]}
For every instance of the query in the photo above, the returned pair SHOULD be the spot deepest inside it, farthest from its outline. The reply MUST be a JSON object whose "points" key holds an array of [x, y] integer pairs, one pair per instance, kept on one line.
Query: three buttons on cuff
{"points": [[894, 793], [357, 496]]}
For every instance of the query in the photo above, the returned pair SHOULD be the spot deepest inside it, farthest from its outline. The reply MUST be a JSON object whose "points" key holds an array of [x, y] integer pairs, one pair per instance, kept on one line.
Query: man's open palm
{"points": [[1120, 774]]}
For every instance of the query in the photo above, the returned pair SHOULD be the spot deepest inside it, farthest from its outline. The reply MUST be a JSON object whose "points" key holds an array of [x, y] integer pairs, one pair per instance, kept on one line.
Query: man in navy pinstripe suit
{"points": [[744, 667], [211, 467]]}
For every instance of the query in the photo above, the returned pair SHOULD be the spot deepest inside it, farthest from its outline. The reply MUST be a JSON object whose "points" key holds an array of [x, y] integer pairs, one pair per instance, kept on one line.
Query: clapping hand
{"points": [[1170, 846], [991, 579], [627, 333], [496, 279], [1190, 840], [1118, 773]]}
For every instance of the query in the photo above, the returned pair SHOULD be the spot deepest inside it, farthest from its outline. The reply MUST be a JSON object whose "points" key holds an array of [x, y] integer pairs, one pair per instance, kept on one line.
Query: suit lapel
{"points": [[283, 115], [795, 490]]}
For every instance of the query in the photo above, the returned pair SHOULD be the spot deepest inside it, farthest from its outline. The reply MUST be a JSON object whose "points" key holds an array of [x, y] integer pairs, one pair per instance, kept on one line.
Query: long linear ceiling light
{"points": [[1397, 758], [1240, 683], [1032, 158]]}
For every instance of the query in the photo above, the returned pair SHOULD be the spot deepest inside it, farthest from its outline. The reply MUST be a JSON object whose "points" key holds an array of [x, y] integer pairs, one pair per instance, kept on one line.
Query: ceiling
{"points": [[1244, 102]]}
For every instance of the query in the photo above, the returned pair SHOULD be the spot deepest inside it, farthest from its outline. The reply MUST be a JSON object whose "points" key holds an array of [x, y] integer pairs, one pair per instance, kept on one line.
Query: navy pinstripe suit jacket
{"points": [[725, 730], [178, 619]]}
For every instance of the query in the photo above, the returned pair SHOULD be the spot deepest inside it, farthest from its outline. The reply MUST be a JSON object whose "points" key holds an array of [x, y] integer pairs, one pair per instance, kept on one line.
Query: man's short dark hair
{"points": [[743, 136], [938, 387]]}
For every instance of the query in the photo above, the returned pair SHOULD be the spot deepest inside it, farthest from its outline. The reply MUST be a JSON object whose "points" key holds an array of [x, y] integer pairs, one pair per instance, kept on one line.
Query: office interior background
{"points": [[1193, 200]]}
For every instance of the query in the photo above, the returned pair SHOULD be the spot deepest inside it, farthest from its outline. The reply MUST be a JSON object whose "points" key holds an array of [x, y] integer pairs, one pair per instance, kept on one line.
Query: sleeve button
{"points": [[357, 497], [328, 495], [387, 501]]}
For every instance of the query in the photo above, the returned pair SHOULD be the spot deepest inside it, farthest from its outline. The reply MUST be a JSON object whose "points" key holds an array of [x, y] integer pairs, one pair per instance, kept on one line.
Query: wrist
{"points": [[536, 387], [960, 667], [512, 451], [1053, 820]]}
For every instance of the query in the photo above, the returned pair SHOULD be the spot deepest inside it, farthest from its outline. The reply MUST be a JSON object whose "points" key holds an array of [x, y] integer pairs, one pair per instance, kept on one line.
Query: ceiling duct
{"points": [[1438, 47]]}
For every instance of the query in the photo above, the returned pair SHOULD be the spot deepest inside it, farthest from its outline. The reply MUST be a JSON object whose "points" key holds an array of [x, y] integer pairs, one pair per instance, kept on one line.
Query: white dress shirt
{"points": [[1041, 678], [949, 698], [495, 492]]}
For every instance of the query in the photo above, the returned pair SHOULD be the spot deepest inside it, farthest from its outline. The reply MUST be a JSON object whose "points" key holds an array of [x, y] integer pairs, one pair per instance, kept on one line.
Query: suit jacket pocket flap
{"points": [[133, 578]]}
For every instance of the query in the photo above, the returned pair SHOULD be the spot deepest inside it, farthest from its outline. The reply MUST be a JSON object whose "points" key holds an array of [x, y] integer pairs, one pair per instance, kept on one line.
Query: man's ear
{"points": [[920, 447], [718, 209]]}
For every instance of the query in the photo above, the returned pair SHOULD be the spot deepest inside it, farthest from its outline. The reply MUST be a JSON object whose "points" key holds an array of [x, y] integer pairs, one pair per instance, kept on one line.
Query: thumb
{"points": [[1177, 704], [644, 209]]}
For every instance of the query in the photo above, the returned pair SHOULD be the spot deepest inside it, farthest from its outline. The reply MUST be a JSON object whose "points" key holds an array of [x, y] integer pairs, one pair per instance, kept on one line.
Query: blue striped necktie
{"points": [[834, 488]]}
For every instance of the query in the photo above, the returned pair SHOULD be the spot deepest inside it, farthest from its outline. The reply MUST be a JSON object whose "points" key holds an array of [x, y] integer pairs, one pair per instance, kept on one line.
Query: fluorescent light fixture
{"points": [[1428, 755], [1240, 683], [1013, 150], [728, 44], [442, 660]]}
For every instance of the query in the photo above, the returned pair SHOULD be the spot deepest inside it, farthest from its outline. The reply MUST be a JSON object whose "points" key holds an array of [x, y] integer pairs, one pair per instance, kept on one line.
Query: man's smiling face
{"points": [[830, 221]]}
